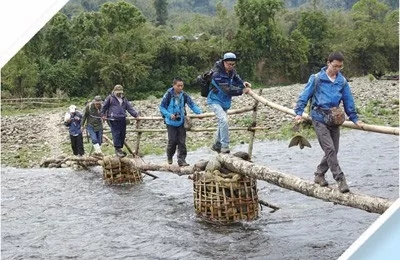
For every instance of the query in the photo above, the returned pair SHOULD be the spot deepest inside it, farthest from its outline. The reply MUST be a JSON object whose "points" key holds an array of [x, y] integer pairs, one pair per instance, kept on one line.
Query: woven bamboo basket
{"points": [[120, 170], [225, 198]]}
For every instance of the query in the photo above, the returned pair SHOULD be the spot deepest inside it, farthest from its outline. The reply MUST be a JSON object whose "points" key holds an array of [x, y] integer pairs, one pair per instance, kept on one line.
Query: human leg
{"points": [[222, 134], [73, 144], [79, 144], [172, 142], [118, 130], [182, 151], [327, 143]]}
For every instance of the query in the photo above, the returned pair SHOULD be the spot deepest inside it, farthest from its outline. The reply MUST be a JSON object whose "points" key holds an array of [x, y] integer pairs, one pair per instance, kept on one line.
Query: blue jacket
{"points": [[224, 86], [114, 110], [171, 104], [327, 94], [75, 124]]}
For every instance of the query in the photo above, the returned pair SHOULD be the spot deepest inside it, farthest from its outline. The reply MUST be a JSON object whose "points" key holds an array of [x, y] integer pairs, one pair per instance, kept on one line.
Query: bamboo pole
{"points": [[349, 124], [254, 123], [239, 128], [139, 134]]}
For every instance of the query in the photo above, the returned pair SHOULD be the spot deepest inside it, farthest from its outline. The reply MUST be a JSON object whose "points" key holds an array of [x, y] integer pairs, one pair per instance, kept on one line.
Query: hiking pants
{"points": [[328, 138], [95, 136], [118, 131], [176, 137], [77, 144]]}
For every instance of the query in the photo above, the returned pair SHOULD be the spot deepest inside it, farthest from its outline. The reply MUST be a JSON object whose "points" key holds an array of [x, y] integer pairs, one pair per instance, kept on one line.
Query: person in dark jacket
{"points": [[73, 120], [225, 84], [114, 110], [172, 108], [328, 89], [94, 123]]}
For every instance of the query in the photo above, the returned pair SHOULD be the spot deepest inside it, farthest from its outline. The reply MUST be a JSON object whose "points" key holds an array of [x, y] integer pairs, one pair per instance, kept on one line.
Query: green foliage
{"points": [[85, 54], [161, 11], [257, 36]]}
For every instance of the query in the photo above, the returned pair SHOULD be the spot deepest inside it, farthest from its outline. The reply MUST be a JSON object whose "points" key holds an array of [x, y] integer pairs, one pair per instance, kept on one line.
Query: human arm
{"points": [[130, 108], [196, 109], [349, 105], [304, 96]]}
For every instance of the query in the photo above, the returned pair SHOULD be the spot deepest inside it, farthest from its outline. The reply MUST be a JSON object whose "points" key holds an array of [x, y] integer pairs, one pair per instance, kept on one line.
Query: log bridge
{"points": [[234, 164]]}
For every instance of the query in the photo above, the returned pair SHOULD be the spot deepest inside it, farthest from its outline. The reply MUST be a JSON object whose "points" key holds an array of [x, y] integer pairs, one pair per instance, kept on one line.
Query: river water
{"points": [[66, 214]]}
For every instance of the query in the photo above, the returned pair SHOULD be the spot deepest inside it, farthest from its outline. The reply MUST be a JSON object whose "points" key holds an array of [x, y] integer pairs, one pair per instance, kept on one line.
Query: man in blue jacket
{"points": [[114, 110], [172, 108], [225, 84], [327, 89]]}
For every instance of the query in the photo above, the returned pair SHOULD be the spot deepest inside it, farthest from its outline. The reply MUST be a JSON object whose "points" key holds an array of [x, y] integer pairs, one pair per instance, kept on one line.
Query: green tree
{"points": [[372, 39], [257, 36], [161, 12], [314, 26], [20, 76]]}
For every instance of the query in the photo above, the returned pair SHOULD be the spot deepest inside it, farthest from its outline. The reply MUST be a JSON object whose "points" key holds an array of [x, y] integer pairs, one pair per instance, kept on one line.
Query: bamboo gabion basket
{"points": [[225, 198], [120, 170]]}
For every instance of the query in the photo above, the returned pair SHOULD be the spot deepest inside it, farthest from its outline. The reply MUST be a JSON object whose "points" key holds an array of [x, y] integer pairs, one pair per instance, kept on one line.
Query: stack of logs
{"points": [[225, 197], [120, 170]]}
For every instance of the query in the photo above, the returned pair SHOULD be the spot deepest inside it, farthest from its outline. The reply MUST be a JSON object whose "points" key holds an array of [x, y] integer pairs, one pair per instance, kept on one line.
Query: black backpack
{"points": [[204, 80]]}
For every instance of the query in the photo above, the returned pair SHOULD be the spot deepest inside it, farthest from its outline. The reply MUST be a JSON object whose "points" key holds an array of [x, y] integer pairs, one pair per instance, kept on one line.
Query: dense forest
{"points": [[91, 45]]}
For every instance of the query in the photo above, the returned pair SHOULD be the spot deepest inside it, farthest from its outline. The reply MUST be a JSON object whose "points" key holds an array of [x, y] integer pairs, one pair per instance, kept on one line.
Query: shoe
{"points": [[216, 148], [169, 160], [225, 150], [182, 163], [342, 185], [97, 150], [120, 153], [320, 179]]}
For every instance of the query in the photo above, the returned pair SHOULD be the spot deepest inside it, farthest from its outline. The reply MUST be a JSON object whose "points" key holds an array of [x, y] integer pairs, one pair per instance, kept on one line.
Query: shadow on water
{"points": [[60, 213]]}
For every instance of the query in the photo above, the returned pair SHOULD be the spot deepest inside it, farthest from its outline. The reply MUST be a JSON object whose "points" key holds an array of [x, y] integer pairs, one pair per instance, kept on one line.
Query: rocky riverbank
{"points": [[27, 139]]}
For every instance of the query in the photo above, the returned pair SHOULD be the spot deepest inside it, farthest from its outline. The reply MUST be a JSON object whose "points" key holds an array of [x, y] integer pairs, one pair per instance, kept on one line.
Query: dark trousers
{"points": [[328, 138], [118, 131], [176, 137], [77, 144]]}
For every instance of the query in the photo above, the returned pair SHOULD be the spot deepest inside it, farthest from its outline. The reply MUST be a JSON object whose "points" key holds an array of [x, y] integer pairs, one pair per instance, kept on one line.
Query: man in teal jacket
{"points": [[172, 108], [328, 89]]}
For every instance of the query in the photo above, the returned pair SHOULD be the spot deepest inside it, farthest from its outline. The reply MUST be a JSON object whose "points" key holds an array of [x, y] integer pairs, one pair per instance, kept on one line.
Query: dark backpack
{"points": [[204, 80]]}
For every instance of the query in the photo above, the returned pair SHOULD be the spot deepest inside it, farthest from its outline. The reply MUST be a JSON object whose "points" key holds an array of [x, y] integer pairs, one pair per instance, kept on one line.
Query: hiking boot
{"points": [[225, 150], [182, 163], [320, 179], [120, 153], [170, 161], [216, 148], [342, 185]]}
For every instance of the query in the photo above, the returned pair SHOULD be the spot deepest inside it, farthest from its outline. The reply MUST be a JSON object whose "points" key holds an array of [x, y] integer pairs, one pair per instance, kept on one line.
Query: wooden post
{"points": [[254, 124], [138, 136]]}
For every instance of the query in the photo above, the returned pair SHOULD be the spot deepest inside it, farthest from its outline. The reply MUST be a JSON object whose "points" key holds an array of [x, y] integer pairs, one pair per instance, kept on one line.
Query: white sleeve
{"points": [[67, 117]]}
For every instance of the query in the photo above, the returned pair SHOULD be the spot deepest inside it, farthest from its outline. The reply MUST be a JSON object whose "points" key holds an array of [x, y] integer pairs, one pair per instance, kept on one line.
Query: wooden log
{"points": [[287, 181], [349, 124]]}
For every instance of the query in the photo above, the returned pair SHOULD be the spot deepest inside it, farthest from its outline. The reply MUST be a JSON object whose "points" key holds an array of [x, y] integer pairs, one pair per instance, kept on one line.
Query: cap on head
{"points": [[229, 56], [118, 89], [97, 99], [72, 108]]}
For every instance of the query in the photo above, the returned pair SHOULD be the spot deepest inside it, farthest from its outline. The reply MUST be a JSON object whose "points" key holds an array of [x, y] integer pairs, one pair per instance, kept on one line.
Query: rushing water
{"points": [[65, 214]]}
